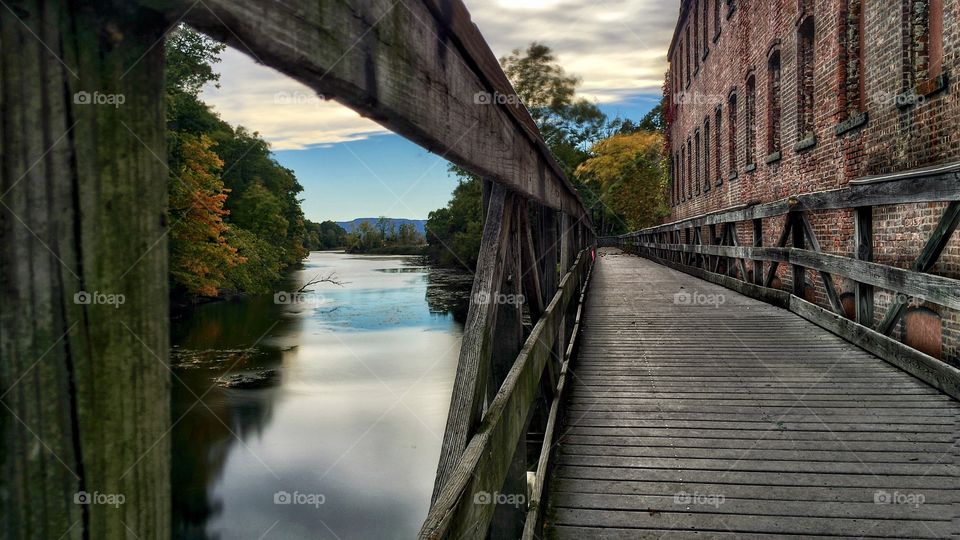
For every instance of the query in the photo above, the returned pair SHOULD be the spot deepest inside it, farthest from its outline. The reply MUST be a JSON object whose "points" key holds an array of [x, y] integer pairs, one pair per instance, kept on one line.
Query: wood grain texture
{"points": [[415, 67], [758, 424], [83, 199]]}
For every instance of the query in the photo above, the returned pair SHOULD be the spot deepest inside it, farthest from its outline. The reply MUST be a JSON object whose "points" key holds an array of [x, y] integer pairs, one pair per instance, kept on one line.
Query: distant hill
{"points": [[394, 222]]}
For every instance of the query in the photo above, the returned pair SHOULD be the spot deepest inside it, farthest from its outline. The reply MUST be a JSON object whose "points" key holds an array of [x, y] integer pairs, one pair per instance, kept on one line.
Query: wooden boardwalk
{"points": [[710, 414]]}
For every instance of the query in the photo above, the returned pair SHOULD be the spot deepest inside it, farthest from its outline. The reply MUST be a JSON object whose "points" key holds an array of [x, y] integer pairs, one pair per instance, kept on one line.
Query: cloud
{"points": [[617, 47], [287, 113]]}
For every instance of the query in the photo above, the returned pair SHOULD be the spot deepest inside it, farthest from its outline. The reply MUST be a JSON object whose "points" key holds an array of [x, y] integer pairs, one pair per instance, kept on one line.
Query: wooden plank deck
{"points": [[740, 420]]}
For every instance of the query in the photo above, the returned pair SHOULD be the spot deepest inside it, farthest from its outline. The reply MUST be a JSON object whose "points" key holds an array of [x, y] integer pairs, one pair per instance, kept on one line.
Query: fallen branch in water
{"points": [[329, 278]]}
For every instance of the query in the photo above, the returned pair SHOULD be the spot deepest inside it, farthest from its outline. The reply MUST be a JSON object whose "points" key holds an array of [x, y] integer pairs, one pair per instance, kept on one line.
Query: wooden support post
{"points": [[781, 242], [758, 242], [466, 405], [83, 202], [928, 257], [530, 269], [732, 240], [863, 238], [827, 280], [712, 261], [506, 342], [797, 272]]}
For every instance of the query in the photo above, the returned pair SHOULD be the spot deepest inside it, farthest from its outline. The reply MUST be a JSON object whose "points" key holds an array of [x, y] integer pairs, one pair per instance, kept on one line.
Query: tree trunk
{"points": [[84, 381]]}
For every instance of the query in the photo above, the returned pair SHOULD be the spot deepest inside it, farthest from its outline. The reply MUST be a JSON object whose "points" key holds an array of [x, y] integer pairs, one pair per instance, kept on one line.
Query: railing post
{"points": [[799, 242], [863, 242], [506, 342], [758, 243]]}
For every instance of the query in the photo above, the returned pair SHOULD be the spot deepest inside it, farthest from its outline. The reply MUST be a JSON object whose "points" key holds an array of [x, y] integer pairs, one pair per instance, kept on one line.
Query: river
{"points": [[317, 415]]}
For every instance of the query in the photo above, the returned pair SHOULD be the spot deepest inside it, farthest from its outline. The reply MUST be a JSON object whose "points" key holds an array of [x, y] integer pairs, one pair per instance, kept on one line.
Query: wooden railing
{"points": [[752, 269], [509, 380]]}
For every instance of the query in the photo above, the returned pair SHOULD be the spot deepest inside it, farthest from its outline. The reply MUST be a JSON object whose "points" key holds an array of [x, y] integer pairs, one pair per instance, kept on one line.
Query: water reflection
{"points": [[337, 401]]}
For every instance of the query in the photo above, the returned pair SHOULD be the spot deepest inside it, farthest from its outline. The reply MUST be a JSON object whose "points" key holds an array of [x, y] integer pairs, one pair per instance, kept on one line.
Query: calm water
{"points": [[334, 404]]}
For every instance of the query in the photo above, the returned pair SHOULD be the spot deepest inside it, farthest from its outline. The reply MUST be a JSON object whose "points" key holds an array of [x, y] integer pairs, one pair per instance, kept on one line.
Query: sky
{"points": [[352, 167]]}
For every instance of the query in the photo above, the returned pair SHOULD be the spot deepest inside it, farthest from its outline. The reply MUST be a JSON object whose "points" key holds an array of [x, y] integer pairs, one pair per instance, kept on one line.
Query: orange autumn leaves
{"points": [[199, 251]]}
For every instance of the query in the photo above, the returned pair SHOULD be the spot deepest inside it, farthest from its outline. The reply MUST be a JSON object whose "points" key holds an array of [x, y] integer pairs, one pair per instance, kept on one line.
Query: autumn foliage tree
{"points": [[199, 252], [628, 172]]}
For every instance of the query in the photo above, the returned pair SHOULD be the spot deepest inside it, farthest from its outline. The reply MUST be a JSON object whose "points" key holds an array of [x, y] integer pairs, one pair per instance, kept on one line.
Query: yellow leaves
{"points": [[630, 175]]}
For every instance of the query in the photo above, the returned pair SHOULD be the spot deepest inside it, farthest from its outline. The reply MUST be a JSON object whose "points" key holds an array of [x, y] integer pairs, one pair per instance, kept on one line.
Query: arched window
{"points": [[689, 170], [732, 130], [750, 141], [718, 118], [707, 162], [805, 81], [773, 102]]}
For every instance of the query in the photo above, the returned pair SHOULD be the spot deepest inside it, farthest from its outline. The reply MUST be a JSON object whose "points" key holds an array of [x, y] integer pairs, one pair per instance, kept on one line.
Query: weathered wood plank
{"points": [[83, 202], [419, 68], [483, 465], [813, 424], [466, 405]]}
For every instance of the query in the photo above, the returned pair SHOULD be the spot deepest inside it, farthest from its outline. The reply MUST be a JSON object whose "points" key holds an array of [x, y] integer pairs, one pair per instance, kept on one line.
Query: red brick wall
{"points": [[893, 138]]}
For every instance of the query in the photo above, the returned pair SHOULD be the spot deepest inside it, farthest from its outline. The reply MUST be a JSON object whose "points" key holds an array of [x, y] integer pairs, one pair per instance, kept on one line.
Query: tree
{"points": [[629, 173], [199, 251], [568, 123]]}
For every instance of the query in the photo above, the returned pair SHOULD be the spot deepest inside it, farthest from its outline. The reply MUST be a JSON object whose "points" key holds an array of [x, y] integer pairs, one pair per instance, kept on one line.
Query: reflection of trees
{"points": [[214, 340], [448, 291]]}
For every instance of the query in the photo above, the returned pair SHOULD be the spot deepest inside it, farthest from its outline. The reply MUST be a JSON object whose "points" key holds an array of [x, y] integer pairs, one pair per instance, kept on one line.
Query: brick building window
{"points": [[750, 140], [695, 9], [773, 103], [687, 60], [805, 82], [716, 154], [681, 155], [716, 19], [689, 169], [925, 51], [851, 93], [732, 130], [706, 27], [707, 163], [696, 159]]}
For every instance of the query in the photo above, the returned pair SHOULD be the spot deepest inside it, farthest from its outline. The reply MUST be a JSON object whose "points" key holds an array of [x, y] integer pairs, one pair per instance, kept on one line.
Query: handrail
{"points": [[752, 269], [467, 500]]}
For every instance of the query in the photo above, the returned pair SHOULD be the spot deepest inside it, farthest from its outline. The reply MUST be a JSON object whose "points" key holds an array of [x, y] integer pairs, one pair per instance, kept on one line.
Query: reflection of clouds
{"points": [[618, 47], [338, 417]]}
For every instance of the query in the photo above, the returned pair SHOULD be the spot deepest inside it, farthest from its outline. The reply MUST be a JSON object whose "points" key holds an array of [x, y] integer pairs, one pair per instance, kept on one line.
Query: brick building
{"points": [[767, 99]]}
